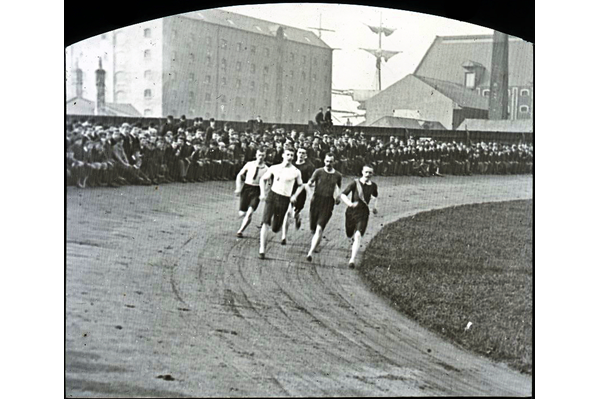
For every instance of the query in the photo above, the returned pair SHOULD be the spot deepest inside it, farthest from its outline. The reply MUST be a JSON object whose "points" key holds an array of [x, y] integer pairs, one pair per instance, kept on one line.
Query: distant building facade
{"points": [[213, 64], [452, 83]]}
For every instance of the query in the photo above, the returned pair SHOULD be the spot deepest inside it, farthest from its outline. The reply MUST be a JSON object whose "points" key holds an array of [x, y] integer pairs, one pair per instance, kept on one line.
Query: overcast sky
{"points": [[354, 68]]}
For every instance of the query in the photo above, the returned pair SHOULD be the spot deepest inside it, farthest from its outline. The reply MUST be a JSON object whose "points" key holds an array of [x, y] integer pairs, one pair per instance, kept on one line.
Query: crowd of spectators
{"points": [[190, 151]]}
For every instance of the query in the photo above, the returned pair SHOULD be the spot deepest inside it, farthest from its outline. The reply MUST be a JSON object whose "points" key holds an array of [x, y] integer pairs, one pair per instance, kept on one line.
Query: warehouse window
{"points": [[207, 79], [224, 44], [147, 33], [207, 97], [208, 61], [223, 81], [147, 93], [147, 55], [239, 46], [524, 92], [192, 76], [485, 92], [192, 96], [208, 40], [524, 109], [147, 112], [266, 70], [266, 88], [238, 66], [148, 74], [303, 75], [252, 49], [252, 85], [223, 64], [253, 68], [267, 52], [470, 80], [238, 83]]}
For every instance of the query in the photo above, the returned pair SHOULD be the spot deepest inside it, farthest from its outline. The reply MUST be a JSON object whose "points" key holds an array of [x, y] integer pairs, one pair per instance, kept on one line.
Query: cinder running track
{"points": [[164, 301]]}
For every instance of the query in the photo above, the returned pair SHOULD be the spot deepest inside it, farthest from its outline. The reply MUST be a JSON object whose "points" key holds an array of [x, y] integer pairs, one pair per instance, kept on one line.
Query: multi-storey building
{"points": [[215, 64]]}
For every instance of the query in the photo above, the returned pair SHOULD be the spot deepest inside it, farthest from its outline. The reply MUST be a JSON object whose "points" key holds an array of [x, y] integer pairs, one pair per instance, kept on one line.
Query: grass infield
{"points": [[446, 268]]}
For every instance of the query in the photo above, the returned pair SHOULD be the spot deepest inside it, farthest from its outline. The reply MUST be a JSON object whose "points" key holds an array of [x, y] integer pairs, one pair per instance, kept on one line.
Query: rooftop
{"points": [[255, 25], [462, 96]]}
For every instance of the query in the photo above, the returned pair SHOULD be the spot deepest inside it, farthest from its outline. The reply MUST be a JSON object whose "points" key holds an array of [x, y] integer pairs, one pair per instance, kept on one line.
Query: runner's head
{"points": [[367, 172], [328, 161], [260, 154], [302, 155], [288, 155]]}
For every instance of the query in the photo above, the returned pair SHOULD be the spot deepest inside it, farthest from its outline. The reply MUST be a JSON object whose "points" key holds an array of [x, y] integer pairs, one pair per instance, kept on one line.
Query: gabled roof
{"points": [[81, 106], [462, 96], [399, 122], [445, 58], [255, 25]]}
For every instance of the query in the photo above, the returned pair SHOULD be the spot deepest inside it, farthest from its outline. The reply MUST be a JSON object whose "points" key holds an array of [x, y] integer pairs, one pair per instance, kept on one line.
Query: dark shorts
{"points": [[356, 220], [300, 201], [275, 208], [321, 210], [250, 197]]}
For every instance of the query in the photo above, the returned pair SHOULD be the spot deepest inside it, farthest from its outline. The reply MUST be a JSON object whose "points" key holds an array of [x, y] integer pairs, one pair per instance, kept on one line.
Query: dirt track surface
{"points": [[164, 301]]}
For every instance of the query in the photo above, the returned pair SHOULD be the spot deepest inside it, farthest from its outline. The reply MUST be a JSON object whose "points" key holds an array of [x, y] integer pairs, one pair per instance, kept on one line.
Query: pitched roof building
{"points": [[452, 83]]}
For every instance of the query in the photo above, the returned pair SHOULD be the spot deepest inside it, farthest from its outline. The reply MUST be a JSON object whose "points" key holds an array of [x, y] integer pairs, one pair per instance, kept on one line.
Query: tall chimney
{"points": [[498, 108], [78, 80], [100, 88]]}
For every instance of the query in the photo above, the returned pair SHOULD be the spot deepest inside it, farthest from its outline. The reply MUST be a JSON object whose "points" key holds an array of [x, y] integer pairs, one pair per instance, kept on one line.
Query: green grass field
{"points": [[449, 267]]}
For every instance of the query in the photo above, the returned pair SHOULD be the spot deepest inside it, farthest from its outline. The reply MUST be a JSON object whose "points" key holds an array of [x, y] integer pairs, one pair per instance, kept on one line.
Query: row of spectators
{"points": [[113, 156]]}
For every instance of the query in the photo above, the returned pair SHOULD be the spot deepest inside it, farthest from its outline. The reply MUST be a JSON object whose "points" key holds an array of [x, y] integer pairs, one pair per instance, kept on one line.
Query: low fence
{"points": [[439, 135]]}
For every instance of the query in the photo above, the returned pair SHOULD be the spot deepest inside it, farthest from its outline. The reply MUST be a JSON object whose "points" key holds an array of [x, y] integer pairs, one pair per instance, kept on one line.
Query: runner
{"points": [[250, 191], [357, 213], [306, 169], [328, 183], [284, 175]]}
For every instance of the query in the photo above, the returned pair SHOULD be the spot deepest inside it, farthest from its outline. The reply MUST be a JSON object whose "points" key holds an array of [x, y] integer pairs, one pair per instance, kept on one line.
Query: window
{"points": [[174, 56], [304, 59], [147, 74], [253, 68], [208, 40], [238, 66], [252, 49], [266, 70], [207, 97], [223, 99], [303, 75], [266, 103], [239, 46], [292, 57], [524, 92], [267, 52], [120, 77], [147, 112], [470, 80], [252, 85], [292, 74], [147, 93], [223, 64], [266, 88], [208, 61], [238, 83], [192, 96], [120, 97], [147, 33], [207, 79], [314, 77], [291, 89], [224, 44], [524, 109], [192, 76], [485, 92], [147, 55], [302, 91], [223, 81], [192, 57]]}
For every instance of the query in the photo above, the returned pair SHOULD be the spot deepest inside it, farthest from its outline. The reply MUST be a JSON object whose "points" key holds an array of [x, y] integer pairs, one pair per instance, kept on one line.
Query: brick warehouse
{"points": [[211, 63]]}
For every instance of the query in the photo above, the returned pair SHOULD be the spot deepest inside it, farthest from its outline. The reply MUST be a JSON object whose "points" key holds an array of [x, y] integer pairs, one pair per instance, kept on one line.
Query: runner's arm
{"points": [[238, 179], [263, 183], [299, 189], [374, 205]]}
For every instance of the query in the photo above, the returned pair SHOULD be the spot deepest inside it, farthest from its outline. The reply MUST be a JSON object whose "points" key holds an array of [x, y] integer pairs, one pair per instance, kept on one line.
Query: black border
{"points": [[86, 20]]}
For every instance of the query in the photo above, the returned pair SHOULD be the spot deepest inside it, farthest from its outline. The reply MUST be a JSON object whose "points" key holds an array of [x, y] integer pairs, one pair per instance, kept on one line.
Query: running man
{"points": [[328, 184], [250, 191], [362, 191], [284, 176], [306, 169]]}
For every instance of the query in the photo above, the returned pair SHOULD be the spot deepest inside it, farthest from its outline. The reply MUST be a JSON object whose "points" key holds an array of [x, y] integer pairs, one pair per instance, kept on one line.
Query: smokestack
{"points": [[78, 80], [100, 88], [498, 108]]}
